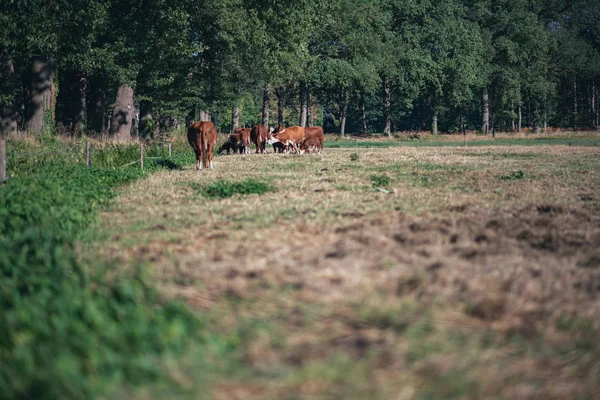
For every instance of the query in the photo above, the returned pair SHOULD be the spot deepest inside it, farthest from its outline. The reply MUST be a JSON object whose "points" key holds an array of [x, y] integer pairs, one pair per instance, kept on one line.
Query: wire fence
{"points": [[88, 157]]}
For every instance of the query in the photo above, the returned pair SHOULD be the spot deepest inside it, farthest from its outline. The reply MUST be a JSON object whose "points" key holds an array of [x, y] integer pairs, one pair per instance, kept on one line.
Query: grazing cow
{"points": [[202, 136], [244, 135], [288, 136], [316, 133], [278, 147], [230, 144], [310, 143], [259, 136]]}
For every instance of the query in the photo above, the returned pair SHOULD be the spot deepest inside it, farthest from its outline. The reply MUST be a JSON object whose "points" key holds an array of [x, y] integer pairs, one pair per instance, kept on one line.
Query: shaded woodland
{"points": [[147, 66]]}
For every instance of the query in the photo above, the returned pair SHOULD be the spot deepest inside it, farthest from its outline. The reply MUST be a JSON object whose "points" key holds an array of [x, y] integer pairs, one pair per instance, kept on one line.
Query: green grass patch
{"points": [[513, 176], [380, 180], [222, 189]]}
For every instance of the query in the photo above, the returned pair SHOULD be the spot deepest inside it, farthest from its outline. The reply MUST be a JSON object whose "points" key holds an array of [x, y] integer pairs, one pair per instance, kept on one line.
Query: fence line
{"points": [[88, 150], [88, 156]]}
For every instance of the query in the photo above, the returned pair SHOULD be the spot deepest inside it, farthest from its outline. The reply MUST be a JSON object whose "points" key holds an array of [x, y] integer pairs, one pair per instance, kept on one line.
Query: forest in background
{"points": [[145, 66]]}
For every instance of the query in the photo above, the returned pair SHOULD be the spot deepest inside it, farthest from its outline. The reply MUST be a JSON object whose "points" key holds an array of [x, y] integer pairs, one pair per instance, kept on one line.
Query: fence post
{"points": [[88, 154], [169, 149], [2, 161], [141, 155]]}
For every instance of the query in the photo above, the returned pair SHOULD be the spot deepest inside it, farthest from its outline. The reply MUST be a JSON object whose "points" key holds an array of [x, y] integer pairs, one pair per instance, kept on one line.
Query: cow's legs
{"points": [[198, 159], [209, 156]]}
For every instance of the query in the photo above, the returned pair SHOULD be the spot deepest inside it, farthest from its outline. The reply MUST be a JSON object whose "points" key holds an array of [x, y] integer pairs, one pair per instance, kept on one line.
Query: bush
{"points": [[222, 189], [380, 180], [513, 176], [353, 157]]}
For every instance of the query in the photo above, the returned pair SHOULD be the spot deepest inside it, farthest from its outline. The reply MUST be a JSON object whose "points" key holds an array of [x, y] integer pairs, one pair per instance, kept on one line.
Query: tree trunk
{"points": [[343, 112], [535, 123], [8, 112], [303, 105], [42, 96], [279, 94], [97, 104], [434, 122], [310, 110], [462, 128], [146, 120], [155, 122], [512, 116], [265, 109], [387, 105], [79, 105], [204, 115], [235, 118], [520, 121], [122, 115], [575, 95], [593, 106], [363, 116], [485, 115]]}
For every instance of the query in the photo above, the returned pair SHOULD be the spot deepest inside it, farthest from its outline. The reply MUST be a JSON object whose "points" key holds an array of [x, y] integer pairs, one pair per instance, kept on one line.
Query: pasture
{"points": [[404, 271]]}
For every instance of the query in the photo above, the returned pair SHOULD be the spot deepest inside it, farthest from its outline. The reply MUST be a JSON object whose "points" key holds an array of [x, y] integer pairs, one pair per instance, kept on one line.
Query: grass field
{"points": [[400, 272]]}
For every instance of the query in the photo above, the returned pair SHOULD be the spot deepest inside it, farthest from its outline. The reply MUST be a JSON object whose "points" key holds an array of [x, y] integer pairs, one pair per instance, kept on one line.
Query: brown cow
{"points": [[228, 145], [315, 132], [259, 136], [309, 143], [288, 136], [202, 136], [244, 135]]}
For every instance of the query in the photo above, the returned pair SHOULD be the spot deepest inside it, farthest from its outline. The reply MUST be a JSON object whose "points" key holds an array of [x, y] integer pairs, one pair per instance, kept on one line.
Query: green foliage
{"points": [[353, 157], [513, 176], [65, 331], [222, 188], [380, 180], [434, 57]]}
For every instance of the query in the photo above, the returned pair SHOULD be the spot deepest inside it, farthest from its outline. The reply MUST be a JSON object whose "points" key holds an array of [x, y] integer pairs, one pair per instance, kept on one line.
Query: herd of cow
{"points": [[202, 136]]}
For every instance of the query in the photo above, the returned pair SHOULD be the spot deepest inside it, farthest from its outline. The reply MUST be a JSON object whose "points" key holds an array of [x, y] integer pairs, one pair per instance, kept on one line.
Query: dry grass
{"points": [[456, 283]]}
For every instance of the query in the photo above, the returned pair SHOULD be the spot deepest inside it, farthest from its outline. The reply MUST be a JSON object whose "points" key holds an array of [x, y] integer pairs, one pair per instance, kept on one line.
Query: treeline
{"points": [[142, 66]]}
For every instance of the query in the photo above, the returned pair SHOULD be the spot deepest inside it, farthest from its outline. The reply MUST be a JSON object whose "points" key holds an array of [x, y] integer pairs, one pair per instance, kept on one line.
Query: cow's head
{"points": [[273, 134], [273, 138]]}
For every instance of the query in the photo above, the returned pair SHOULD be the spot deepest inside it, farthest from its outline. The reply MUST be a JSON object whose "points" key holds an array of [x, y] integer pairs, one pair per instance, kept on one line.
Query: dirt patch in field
{"points": [[519, 273], [514, 269]]}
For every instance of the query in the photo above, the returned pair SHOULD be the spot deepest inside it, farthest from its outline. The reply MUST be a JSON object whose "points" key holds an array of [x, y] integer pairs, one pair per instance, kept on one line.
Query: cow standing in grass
{"points": [[309, 144], [244, 139], [291, 136], [315, 136], [202, 136], [259, 135], [228, 145]]}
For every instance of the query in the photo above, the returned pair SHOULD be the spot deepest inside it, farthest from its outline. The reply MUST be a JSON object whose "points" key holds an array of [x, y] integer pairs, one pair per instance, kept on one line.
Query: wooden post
{"points": [[141, 155], [169, 149], [2, 162], [88, 154]]}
